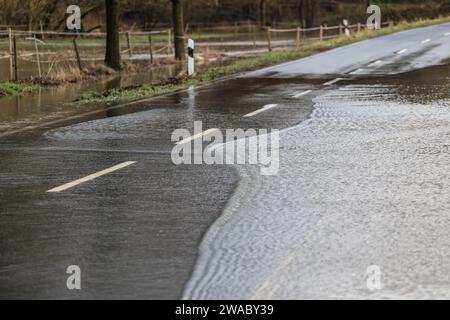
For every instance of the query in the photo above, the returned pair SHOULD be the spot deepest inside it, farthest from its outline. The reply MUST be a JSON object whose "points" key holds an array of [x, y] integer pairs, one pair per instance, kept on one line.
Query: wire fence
{"points": [[300, 36], [39, 53]]}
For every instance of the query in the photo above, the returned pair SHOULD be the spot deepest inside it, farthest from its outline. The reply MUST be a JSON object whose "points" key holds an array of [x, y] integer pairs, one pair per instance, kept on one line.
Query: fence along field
{"points": [[44, 54]]}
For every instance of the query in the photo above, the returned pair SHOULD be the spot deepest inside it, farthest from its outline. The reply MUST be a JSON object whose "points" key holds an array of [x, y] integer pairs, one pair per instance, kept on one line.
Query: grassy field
{"points": [[212, 74]]}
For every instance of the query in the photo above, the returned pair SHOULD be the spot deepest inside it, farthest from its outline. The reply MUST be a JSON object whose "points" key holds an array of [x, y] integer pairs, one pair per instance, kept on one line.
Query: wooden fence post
{"points": [[38, 59], [11, 57], [321, 33], [16, 75], [42, 31], [359, 27], [169, 41], [206, 57], [269, 38], [299, 37], [151, 48], [340, 29], [130, 50], [77, 54]]}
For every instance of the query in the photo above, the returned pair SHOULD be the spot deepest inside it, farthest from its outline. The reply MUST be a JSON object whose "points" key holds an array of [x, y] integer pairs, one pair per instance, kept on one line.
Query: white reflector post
{"points": [[191, 59], [347, 28]]}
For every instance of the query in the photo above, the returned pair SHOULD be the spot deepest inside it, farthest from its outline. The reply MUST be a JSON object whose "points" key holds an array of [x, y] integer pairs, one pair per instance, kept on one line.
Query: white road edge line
{"points": [[91, 177], [329, 83], [263, 109], [301, 94], [402, 51], [426, 41], [196, 136]]}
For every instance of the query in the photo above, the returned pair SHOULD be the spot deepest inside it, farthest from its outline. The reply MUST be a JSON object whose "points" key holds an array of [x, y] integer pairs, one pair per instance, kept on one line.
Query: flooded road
{"points": [[364, 182], [134, 233]]}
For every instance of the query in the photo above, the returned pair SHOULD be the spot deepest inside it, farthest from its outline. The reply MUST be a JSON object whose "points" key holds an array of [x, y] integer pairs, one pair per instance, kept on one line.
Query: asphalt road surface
{"points": [[363, 181]]}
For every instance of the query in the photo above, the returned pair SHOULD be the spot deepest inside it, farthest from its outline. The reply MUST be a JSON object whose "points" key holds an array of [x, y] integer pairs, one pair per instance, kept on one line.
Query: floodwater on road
{"points": [[363, 182], [134, 233], [54, 102]]}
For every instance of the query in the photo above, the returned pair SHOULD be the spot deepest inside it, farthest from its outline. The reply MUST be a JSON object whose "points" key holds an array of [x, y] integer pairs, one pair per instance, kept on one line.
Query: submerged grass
{"points": [[15, 89], [211, 74]]}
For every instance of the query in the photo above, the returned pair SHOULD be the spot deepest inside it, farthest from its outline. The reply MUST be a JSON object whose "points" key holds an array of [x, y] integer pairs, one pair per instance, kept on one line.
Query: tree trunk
{"points": [[301, 13], [178, 27], [112, 58], [310, 12], [262, 13]]}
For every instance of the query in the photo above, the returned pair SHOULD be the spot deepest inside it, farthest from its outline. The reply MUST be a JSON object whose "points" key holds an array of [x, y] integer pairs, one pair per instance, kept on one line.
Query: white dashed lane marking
{"points": [[329, 83], [196, 136], [91, 177], [301, 94], [263, 109]]}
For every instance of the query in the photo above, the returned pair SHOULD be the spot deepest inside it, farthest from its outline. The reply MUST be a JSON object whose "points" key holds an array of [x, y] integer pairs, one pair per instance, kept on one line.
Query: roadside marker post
{"points": [[191, 58], [347, 29]]}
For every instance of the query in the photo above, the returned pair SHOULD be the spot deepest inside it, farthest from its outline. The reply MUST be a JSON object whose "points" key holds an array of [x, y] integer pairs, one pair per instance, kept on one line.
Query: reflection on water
{"points": [[48, 103]]}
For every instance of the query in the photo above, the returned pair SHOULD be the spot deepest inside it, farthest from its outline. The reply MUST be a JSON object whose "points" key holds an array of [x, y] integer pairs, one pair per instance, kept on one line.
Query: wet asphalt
{"points": [[137, 232], [363, 183]]}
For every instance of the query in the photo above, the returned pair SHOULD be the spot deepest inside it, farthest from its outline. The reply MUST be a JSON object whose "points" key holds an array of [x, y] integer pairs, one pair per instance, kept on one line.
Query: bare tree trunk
{"points": [[178, 27], [310, 12], [301, 12], [262, 13], [112, 58]]}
